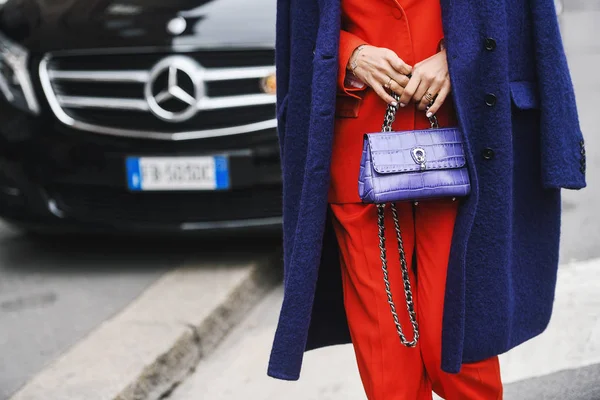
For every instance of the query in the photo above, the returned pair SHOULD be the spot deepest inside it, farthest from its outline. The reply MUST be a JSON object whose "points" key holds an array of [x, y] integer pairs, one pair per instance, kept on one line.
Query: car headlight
{"points": [[15, 83]]}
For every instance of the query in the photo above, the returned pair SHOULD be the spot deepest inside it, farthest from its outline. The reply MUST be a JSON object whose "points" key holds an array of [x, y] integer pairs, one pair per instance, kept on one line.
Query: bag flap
{"points": [[406, 151]]}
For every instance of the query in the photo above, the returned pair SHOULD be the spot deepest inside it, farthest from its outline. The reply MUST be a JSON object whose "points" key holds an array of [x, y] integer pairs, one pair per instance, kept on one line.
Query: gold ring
{"points": [[387, 85], [429, 97]]}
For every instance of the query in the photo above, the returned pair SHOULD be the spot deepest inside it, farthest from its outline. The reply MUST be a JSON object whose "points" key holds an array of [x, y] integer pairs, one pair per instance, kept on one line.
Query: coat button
{"points": [[490, 44], [490, 99], [396, 12], [487, 153]]}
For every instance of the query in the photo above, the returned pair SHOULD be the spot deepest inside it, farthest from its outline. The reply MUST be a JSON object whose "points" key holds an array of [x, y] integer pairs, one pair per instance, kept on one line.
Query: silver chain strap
{"points": [[410, 306], [390, 115]]}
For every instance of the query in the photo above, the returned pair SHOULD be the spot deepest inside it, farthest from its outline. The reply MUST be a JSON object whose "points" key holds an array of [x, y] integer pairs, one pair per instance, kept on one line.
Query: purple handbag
{"points": [[409, 166]]}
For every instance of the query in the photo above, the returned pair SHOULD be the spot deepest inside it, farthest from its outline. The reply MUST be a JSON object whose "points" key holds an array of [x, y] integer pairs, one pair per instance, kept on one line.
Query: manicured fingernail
{"points": [[402, 105], [429, 114], [395, 104]]}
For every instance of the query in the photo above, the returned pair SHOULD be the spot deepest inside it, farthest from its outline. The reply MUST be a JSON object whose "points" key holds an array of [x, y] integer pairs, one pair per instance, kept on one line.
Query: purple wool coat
{"points": [[516, 107]]}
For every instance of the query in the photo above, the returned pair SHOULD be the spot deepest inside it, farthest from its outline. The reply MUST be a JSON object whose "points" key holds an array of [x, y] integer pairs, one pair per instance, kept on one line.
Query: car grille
{"points": [[109, 206], [109, 93]]}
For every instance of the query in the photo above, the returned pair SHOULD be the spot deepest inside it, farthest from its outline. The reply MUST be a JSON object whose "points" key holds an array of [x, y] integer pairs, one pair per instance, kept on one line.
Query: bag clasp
{"points": [[420, 157]]}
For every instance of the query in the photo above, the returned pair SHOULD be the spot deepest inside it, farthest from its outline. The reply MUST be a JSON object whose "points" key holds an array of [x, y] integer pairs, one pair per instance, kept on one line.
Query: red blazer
{"points": [[412, 29]]}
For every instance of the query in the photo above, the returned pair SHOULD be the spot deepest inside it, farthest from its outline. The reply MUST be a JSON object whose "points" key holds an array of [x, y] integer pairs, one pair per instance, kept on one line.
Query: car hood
{"points": [[47, 25]]}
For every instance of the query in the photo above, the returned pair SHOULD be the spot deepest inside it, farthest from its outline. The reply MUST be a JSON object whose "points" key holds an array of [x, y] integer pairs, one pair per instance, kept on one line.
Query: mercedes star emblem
{"points": [[174, 89]]}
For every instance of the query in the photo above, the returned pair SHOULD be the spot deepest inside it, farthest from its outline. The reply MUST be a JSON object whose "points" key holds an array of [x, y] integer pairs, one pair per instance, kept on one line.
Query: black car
{"points": [[138, 115]]}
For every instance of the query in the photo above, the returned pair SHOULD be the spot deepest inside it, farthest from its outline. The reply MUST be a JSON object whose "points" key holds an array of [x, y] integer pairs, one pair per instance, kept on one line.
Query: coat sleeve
{"points": [[346, 82], [282, 65], [562, 146]]}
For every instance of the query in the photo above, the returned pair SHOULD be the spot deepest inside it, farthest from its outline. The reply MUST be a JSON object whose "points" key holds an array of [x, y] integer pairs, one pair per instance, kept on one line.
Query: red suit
{"points": [[390, 371]]}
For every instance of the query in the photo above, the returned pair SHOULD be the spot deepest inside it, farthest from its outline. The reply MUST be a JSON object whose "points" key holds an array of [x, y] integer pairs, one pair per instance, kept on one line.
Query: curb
{"points": [[181, 319], [171, 368]]}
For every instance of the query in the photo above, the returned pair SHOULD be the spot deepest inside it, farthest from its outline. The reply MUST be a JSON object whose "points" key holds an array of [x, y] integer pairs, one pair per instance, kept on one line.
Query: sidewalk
{"points": [[237, 370]]}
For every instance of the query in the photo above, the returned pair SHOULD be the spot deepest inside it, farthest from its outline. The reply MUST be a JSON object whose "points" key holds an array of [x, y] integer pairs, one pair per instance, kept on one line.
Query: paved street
{"points": [[53, 294]]}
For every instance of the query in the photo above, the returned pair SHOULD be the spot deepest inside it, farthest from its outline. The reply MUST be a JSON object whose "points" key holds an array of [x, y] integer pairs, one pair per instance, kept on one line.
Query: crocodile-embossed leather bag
{"points": [[410, 166]]}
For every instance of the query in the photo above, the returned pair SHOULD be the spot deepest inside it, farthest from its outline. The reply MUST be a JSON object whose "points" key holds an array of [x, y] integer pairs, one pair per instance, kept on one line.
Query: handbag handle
{"points": [[390, 115]]}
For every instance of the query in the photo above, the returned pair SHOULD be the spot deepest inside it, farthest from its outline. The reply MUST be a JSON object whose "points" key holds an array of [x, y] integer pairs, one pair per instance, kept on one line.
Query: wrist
{"points": [[353, 62]]}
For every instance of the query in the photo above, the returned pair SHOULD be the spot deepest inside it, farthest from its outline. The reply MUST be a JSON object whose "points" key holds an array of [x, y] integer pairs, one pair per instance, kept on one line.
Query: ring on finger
{"points": [[388, 85], [429, 97]]}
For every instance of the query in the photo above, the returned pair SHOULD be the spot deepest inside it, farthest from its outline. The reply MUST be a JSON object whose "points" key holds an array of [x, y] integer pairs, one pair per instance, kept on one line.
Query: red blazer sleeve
{"points": [[347, 83]]}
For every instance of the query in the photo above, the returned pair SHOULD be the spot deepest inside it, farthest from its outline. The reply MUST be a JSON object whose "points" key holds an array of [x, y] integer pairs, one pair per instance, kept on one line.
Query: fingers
{"points": [[398, 64], [396, 88], [441, 97], [391, 84], [377, 82], [383, 71], [410, 89], [421, 97], [398, 82], [398, 71], [428, 76]]}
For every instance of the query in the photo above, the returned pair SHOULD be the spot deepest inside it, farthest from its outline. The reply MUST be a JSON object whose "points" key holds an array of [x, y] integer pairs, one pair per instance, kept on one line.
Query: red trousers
{"points": [[388, 369]]}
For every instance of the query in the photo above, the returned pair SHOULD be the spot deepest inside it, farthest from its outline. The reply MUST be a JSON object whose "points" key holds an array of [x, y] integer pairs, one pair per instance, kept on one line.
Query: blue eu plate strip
{"points": [[222, 172], [134, 175]]}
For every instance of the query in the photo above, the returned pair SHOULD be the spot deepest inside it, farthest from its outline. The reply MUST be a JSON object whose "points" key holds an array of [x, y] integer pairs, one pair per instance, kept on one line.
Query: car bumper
{"points": [[51, 180]]}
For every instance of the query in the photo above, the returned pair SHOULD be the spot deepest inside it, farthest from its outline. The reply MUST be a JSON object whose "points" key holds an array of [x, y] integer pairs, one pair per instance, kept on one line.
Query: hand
{"points": [[375, 66], [429, 76]]}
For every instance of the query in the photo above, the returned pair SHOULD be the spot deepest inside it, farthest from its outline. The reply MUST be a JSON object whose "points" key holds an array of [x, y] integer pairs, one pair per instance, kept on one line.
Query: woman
{"points": [[484, 267]]}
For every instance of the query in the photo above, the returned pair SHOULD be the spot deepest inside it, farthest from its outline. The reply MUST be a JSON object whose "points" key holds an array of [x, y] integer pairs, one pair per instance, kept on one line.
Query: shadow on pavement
{"points": [[103, 253]]}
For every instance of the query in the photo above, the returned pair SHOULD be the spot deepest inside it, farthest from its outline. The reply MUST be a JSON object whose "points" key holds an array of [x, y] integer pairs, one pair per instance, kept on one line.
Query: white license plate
{"points": [[177, 173]]}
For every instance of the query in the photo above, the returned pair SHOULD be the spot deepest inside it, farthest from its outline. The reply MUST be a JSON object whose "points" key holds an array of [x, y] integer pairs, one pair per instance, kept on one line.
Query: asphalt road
{"points": [[54, 293]]}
